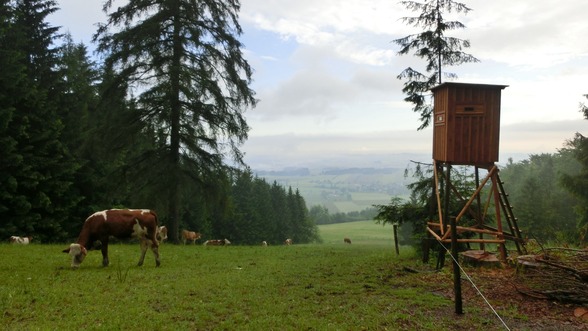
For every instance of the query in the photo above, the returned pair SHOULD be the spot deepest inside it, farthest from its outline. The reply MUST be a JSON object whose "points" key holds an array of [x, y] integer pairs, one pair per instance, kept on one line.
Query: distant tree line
{"points": [[157, 124], [321, 215]]}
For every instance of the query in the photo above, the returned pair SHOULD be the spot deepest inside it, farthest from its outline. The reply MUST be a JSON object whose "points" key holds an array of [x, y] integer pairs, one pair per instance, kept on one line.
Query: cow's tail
{"points": [[154, 238]]}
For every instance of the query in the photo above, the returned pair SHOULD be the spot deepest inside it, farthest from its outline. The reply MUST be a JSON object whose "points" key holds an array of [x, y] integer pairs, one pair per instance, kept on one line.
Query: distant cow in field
{"points": [[119, 223], [347, 240], [190, 236], [162, 234], [217, 242], [20, 240], [264, 243], [288, 242]]}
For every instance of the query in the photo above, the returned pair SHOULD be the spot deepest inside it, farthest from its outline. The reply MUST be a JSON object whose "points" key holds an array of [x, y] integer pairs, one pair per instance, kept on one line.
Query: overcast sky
{"points": [[325, 74]]}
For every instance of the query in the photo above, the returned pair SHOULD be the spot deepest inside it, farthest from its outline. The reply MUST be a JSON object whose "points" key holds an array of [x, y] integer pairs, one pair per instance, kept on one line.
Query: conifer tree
{"points": [[437, 49], [283, 219], [188, 81]]}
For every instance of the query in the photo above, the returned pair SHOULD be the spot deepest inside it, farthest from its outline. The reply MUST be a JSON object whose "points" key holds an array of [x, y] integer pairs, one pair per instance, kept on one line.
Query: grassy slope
{"points": [[361, 233], [332, 286]]}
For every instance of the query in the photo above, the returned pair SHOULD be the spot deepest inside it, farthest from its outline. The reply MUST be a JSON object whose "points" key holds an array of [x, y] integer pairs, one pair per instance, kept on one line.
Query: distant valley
{"points": [[342, 189], [350, 183]]}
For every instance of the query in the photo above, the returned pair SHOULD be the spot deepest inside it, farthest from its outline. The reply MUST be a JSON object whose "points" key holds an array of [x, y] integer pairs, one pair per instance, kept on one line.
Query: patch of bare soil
{"points": [[503, 291]]}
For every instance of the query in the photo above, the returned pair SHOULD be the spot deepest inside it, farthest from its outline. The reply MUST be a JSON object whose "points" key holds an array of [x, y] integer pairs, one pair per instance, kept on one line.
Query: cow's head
{"points": [[77, 253], [161, 233]]}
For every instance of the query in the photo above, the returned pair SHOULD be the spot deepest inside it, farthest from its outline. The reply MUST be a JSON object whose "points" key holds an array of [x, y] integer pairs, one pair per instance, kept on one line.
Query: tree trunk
{"points": [[175, 113]]}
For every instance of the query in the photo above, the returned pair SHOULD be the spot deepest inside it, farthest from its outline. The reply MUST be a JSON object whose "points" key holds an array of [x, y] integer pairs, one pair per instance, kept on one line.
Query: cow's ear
{"points": [[66, 250]]}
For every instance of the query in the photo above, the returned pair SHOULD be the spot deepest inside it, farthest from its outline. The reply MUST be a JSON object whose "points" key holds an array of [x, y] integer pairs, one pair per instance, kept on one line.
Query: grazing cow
{"points": [[264, 243], [20, 240], [217, 242], [190, 236], [288, 242], [119, 223], [161, 233], [347, 240]]}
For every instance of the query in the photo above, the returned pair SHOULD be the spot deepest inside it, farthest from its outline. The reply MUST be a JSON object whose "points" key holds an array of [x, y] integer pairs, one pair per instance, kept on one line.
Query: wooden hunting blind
{"points": [[466, 132], [466, 123]]}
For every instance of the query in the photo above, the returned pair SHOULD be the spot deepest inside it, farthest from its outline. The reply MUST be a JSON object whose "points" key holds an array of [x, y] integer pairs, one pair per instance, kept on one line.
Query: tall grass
{"points": [[332, 286]]}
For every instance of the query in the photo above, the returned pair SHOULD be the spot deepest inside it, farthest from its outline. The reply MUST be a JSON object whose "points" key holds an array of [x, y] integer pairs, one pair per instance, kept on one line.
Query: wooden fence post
{"points": [[456, 270], [395, 227]]}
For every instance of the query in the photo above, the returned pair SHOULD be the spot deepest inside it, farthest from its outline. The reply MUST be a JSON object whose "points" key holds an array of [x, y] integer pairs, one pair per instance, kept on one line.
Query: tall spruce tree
{"points": [[283, 219], [306, 229], [435, 47], [183, 64]]}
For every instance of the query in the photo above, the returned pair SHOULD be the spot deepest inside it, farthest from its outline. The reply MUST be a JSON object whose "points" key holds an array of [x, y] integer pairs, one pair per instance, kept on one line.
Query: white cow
{"points": [[21, 240]]}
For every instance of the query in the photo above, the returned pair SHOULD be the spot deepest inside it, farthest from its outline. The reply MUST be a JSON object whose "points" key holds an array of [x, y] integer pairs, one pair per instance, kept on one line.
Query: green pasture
{"points": [[360, 233], [329, 286]]}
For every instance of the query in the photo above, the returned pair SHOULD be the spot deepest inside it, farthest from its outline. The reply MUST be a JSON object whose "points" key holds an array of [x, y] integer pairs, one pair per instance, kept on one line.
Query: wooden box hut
{"points": [[466, 123]]}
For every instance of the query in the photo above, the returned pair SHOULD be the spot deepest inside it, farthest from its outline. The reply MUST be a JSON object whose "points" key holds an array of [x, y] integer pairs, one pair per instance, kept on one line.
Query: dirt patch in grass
{"points": [[499, 290]]}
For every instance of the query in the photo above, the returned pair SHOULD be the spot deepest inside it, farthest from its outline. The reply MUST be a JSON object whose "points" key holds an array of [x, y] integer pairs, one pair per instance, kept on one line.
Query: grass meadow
{"points": [[329, 286]]}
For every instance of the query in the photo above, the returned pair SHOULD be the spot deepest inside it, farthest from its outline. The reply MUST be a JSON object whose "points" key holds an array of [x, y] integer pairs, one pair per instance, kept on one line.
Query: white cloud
{"points": [[530, 33], [536, 34], [308, 93], [539, 137], [356, 30]]}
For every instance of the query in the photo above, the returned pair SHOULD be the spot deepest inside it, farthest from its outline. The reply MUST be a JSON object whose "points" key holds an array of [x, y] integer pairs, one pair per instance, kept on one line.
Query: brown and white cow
{"points": [[217, 242], [119, 223], [347, 240], [20, 240], [190, 236], [288, 242], [161, 233]]}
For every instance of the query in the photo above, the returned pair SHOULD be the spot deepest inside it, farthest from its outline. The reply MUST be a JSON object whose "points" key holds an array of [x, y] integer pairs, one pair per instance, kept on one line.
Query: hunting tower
{"points": [[466, 131], [467, 123]]}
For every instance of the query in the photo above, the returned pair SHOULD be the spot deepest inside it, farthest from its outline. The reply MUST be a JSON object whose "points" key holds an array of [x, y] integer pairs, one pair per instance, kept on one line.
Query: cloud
{"points": [[355, 30], [535, 34], [313, 93], [529, 33], [540, 137]]}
